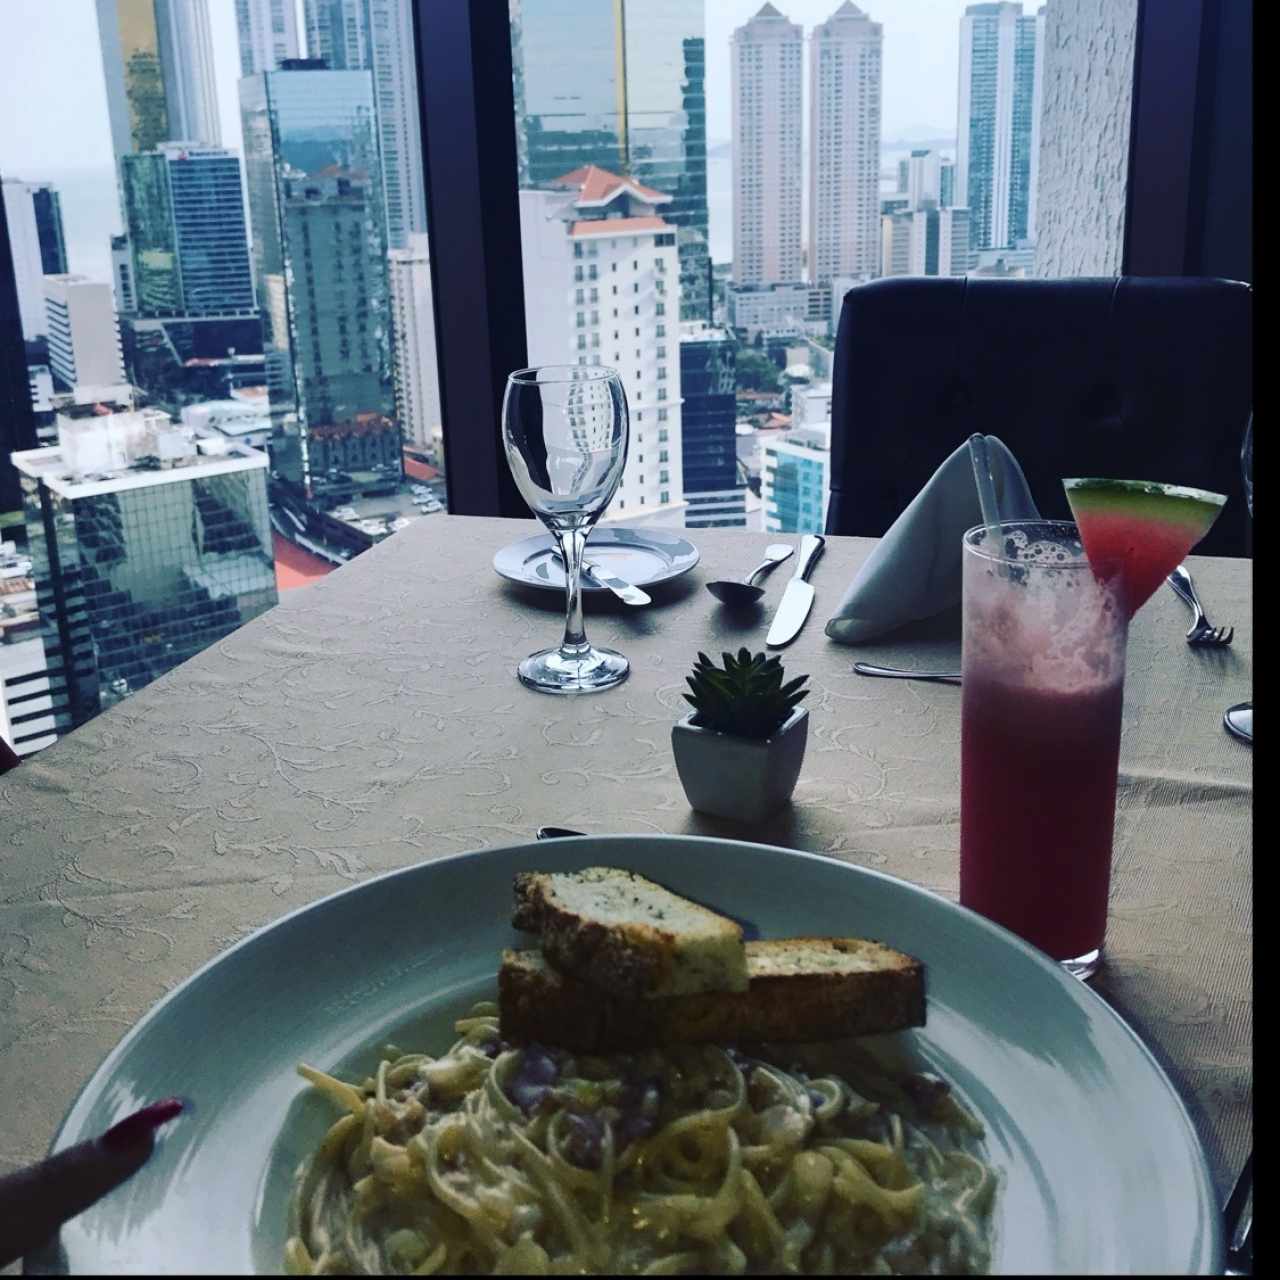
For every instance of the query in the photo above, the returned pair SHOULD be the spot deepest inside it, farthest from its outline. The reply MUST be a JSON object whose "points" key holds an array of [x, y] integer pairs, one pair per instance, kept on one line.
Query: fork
{"points": [[1201, 633]]}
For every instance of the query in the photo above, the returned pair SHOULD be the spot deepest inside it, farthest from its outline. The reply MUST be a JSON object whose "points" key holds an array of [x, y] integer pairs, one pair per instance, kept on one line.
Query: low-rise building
{"points": [[246, 423], [795, 480], [25, 714], [794, 309], [84, 338]]}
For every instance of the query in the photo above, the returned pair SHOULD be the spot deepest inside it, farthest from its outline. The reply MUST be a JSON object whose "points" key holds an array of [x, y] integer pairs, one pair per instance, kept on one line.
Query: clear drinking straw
{"points": [[981, 460]]}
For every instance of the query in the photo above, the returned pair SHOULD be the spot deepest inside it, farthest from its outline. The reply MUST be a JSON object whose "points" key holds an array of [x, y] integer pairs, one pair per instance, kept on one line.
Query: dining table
{"points": [[373, 720]]}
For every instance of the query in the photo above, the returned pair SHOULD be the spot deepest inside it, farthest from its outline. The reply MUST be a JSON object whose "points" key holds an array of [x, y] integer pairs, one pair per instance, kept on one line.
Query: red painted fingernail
{"points": [[130, 1131]]}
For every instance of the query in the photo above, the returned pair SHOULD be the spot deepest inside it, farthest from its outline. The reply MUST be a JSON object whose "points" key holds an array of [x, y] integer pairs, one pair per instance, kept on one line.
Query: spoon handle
{"points": [[896, 673], [773, 557]]}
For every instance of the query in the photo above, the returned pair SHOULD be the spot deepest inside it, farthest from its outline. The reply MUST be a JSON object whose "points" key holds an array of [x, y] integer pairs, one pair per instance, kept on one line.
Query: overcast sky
{"points": [[55, 106], [54, 114]]}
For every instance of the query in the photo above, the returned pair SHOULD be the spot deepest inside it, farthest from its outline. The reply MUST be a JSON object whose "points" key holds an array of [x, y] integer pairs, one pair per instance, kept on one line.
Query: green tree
{"points": [[756, 372]]}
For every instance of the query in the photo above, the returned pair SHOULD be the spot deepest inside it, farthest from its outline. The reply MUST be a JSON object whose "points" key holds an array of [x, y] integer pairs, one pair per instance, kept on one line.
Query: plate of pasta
{"points": [[1022, 1129]]}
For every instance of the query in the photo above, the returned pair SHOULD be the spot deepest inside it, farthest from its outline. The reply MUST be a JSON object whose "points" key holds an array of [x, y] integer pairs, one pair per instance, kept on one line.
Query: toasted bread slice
{"points": [[627, 936], [800, 990]]}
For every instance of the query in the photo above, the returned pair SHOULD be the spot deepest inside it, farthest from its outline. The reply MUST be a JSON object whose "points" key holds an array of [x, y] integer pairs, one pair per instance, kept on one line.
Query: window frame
{"points": [[1188, 57]]}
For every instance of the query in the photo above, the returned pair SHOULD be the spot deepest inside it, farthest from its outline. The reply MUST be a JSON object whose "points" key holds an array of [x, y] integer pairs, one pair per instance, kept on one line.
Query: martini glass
{"points": [[564, 428]]}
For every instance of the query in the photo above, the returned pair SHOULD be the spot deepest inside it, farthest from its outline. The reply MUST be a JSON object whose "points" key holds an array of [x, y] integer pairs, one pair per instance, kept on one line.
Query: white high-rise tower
{"points": [[268, 31], [765, 73], [998, 115], [844, 141], [414, 330], [186, 60]]}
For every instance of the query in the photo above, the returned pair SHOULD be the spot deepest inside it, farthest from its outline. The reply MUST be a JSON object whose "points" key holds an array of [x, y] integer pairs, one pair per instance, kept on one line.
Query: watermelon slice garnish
{"points": [[1139, 530]]}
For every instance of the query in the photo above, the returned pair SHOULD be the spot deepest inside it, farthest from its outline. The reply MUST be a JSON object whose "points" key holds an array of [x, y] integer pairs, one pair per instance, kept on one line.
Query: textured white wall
{"points": [[1084, 136]]}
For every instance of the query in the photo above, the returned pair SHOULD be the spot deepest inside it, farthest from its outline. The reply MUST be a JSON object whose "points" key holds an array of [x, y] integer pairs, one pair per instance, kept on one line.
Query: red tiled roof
{"points": [[341, 171], [596, 185], [364, 424], [416, 470], [296, 567], [617, 226]]}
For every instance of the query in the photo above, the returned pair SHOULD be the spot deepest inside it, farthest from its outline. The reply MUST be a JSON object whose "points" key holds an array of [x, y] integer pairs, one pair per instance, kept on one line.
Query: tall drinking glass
{"points": [[1043, 687], [564, 428]]}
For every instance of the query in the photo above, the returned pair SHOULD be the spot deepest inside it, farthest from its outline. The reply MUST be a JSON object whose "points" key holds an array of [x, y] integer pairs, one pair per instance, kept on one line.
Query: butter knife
{"points": [[602, 577], [797, 600], [619, 586]]}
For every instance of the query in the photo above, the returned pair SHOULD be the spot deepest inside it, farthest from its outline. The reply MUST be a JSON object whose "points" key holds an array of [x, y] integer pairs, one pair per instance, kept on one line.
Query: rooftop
{"points": [[596, 186], [617, 226], [50, 467]]}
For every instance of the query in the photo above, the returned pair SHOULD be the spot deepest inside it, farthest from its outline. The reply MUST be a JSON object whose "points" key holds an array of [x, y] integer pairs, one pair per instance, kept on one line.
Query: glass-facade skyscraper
{"points": [[186, 227], [622, 87], [998, 119], [49, 230], [709, 425], [143, 566], [157, 58], [377, 36], [320, 256]]}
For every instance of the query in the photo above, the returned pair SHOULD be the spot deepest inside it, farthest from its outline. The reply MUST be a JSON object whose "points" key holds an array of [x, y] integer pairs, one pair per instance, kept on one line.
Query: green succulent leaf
{"points": [[745, 695]]}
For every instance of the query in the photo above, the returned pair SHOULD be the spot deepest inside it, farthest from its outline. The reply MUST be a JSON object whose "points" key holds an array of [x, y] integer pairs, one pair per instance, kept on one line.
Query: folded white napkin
{"points": [[914, 572]]}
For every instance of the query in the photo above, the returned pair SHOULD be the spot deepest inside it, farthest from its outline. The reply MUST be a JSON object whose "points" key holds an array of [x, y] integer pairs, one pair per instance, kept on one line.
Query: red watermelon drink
{"points": [[1046, 614], [1043, 676]]}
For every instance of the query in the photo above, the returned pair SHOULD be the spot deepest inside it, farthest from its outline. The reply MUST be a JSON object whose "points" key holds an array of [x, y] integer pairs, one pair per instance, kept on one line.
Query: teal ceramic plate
{"points": [[1101, 1168]]}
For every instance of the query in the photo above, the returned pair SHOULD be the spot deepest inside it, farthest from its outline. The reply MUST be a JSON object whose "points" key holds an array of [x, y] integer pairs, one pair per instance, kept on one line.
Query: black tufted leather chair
{"points": [[1134, 378]]}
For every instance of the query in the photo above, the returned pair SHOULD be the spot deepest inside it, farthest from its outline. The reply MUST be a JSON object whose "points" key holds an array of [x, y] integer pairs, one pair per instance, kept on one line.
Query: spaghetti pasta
{"points": [[695, 1159]]}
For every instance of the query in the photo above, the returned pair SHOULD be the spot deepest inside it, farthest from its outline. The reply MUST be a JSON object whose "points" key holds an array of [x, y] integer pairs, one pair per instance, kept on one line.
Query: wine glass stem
{"points": [[573, 545]]}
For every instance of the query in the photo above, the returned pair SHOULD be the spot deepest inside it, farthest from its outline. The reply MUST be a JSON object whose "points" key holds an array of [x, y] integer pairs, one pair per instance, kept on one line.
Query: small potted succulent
{"points": [[739, 752]]}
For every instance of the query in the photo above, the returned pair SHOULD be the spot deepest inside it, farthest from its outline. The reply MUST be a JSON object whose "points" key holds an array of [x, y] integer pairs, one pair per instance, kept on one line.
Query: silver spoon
{"points": [[746, 592], [896, 673]]}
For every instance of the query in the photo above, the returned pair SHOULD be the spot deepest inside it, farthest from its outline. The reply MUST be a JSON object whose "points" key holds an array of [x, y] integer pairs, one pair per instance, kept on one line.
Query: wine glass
{"points": [[565, 432], [1238, 720]]}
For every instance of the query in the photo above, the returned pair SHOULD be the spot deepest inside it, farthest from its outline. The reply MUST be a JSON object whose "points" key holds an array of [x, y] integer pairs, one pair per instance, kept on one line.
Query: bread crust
{"points": [[812, 1003]]}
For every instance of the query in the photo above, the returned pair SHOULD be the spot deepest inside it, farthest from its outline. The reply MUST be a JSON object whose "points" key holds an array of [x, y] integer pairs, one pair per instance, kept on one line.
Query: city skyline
{"points": [[67, 135]]}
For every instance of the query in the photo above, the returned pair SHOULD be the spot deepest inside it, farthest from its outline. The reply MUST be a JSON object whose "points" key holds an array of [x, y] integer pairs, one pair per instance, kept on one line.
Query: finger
{"points": [[37, 1200]]}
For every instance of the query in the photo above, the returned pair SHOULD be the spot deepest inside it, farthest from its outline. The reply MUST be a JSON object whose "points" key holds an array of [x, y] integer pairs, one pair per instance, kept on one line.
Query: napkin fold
{"points": [[914, 571]]}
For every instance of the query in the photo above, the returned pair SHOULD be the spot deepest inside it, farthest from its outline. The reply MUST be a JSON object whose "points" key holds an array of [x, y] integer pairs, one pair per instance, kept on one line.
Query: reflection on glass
{"points": [[319, 236], [621, 87], [134, 578]]}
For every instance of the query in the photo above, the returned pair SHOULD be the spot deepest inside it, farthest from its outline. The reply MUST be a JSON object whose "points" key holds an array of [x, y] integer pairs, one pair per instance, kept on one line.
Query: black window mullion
{"points": [[466, 100], [1171, 113]]}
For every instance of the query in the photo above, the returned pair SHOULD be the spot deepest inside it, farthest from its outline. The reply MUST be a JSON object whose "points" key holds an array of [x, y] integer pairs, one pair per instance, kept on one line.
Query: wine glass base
{"points": [[1238, 722], [593, 670], [1085, 966]]}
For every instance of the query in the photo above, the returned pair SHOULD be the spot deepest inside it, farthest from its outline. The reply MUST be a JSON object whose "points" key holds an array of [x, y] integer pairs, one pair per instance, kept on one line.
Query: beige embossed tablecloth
{"points": [[373, 720]]}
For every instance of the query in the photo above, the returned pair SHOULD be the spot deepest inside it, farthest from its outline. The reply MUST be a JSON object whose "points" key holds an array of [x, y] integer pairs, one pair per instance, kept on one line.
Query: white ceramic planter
{"points": [[740, 778]]}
